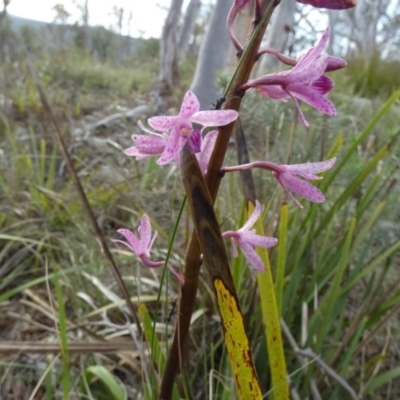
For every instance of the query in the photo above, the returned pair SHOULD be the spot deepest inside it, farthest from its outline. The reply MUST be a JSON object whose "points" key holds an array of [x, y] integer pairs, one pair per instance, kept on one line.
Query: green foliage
{"points": [[377, 78], [148, 50], [114, 391]]}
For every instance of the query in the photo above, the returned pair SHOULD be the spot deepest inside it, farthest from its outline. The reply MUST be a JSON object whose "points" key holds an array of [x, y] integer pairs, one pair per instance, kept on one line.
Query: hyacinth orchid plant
{"points": [[305, 81]]}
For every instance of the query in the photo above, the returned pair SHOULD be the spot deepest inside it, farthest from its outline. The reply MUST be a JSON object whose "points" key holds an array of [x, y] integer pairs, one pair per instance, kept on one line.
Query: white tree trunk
{"points": [[185, 34], [212, 56], [168, 49], [281, 28], [85, 18], [367, 24]]}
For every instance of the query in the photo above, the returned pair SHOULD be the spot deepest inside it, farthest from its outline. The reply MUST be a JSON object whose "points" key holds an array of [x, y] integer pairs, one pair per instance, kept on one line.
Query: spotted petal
{"points": [[252, 219], [162, 123], [215, 117], [132, 243], [315, 99], [207, 147], [252, 257], [171, 149], [258, 240], [190, 105], [304, 189], [308, 170]]}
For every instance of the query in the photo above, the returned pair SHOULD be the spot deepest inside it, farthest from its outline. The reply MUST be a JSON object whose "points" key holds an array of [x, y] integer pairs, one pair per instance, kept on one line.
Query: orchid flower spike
{"points": [[306, 81], [142, 244], [247, 240], [181, 127]]}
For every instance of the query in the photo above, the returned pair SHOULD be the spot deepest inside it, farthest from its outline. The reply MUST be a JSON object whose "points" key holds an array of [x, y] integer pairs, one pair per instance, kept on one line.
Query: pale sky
{"points": [[148, 15]]}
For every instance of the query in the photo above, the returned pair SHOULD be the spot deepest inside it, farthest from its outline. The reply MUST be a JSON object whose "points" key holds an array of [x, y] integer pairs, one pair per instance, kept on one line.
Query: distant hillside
{"points": [[17, 23]]}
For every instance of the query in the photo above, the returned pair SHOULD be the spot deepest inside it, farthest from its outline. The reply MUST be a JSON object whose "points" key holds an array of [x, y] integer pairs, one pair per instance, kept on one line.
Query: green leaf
{"points": [[383, 379], [108, 380]]}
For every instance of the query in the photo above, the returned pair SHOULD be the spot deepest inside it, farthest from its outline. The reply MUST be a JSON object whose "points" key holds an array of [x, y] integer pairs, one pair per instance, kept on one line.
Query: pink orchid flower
{"points": [[287, 176], [142, 245], [247, 240], [181, 127], [306, 81]]}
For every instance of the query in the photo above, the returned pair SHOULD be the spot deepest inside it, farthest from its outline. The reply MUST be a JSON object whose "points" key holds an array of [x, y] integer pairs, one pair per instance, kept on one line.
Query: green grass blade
{"points": [[382, 379], [281, 258], [331, 299], [62, 324], [107, 379], [271, 321]]}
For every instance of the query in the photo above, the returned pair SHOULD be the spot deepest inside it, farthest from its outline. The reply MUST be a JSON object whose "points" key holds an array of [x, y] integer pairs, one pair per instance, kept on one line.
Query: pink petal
{"points": [[257, 240], [301, 115], [149, 140], [330, 4], [323, 84], [146, 146], [144, 151], [316, 51], [234, 248], [312, 97], [162, 123], [252, 219], [133, 242], [252, 257], [176, 274], [207, 147], [310, 168], [300, 187], [171, 148], [190, 105], [307, 72], [145, 231], [335, 63], [273, 92], [214, 117], [143, 128], [194, 141]]}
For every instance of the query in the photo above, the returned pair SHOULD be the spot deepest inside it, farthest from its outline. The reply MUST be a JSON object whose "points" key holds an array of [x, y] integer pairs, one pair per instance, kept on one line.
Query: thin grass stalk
{"points": [[62, 323]]}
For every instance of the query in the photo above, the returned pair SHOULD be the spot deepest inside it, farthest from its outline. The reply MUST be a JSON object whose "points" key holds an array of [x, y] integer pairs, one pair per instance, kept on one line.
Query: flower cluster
{"points": [[306, 81], [178, 130]]}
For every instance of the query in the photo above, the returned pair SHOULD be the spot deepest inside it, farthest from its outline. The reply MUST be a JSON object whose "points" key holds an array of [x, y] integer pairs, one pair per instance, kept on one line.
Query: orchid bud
{"points": [[331, 4]]}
